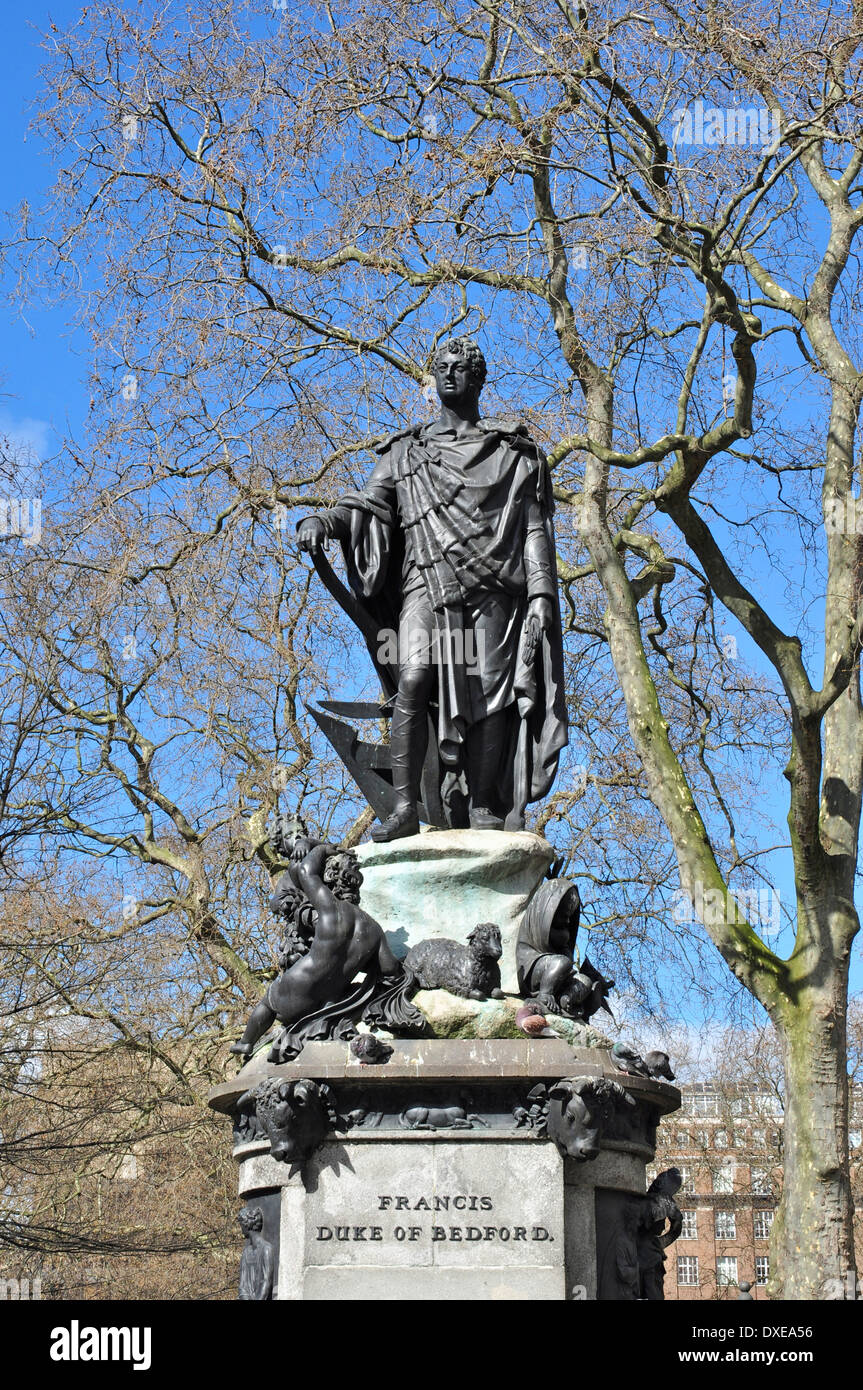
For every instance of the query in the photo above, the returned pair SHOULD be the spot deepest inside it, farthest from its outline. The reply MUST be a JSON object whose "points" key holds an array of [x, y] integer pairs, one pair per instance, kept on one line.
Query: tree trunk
{"points": [[813, 1236]]}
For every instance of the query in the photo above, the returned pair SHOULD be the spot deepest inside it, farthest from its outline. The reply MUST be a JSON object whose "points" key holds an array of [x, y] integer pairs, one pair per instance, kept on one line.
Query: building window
{"points": [[726, 1270], [767, 1105], [687, 1269], [705, 1103], [761, 1182], [759, 1139], [687, 1186], [726, 1226], [689, 1229], [762, 1269], [723, 1180], [855, 1138], [740, 1106], [720, 1139], [761, 1223]]}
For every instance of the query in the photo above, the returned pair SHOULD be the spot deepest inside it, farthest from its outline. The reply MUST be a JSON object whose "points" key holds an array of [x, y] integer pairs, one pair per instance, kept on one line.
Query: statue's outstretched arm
{"points": [[335, 523]]}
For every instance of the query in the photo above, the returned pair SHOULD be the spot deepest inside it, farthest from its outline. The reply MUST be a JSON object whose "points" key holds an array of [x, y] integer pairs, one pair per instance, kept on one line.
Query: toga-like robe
{"points": [[454, 534]]}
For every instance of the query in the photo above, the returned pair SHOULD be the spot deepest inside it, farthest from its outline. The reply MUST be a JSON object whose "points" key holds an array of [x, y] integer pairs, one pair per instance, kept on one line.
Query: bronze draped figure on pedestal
{"points": [[395, 1004], [450, 559]]}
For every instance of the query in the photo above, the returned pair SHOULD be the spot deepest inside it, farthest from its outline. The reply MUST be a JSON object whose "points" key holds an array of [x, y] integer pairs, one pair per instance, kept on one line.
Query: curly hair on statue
{"points": [[342, 873], [251, 1219], [470, 353]]}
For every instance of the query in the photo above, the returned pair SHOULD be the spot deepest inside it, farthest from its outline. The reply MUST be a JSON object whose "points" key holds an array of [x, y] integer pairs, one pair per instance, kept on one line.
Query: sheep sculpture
{"points": [[471, 971]]}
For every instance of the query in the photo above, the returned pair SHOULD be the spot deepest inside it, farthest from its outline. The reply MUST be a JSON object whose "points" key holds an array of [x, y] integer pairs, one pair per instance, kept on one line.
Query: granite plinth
{"points": [[425, 1220], [409, 1202]]}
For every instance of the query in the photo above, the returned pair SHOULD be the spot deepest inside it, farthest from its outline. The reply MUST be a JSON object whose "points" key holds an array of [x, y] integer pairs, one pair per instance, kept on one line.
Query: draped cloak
{"points": [[462, 525], [257, 1268], [534, 936]]}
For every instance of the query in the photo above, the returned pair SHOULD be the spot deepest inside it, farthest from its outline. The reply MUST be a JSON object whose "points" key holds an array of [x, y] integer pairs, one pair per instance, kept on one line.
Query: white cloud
{"points": [[26, 442]]}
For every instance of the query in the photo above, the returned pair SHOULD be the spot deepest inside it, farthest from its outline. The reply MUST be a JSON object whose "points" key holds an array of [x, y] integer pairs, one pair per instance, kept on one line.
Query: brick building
{"points": [[727, 1142]]}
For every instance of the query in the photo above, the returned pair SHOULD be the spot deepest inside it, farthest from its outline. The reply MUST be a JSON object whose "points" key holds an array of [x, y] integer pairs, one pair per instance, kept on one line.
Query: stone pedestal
{"points": [[444, 882], [438, 1179]]}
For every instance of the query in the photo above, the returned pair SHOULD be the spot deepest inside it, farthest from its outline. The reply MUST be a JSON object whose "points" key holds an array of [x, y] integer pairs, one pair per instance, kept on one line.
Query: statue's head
{"points": [[342, 876], [485, 939], [285, 830], [251, 1219], [564, 923], [459, 370], [667, 1183]]}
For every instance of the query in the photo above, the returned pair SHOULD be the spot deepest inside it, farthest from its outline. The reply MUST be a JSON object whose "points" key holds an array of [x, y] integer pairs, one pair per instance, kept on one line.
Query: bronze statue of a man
{"points": [[451, 545]]}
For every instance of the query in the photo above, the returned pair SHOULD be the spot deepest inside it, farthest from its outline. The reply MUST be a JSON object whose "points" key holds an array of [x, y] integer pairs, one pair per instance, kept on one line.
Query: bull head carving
{"points": [[294, 1115], [578, 1112]]}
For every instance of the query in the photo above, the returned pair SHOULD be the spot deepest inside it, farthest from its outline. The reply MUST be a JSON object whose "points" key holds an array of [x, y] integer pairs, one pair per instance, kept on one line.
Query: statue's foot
{"points": [[242, 1049], [481, 818], [397, 827]]}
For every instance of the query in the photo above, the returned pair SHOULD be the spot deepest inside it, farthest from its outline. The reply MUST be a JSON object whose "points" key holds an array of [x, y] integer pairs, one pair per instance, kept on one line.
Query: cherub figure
{"points": [[318, 990]]}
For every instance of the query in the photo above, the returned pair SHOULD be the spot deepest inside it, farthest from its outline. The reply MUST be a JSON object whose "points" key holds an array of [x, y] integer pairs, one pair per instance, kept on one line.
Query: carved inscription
{"points": [[463, 1203]]}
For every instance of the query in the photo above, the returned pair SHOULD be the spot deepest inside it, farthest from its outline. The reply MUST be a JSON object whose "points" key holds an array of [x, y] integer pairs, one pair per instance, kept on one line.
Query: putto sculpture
{"points": [[450, 559], [347, 971]]}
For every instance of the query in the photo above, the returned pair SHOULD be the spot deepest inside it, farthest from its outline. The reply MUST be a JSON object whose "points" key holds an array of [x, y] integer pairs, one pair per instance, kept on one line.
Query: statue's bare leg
{"points": [[260, 1019], [552, 975]]}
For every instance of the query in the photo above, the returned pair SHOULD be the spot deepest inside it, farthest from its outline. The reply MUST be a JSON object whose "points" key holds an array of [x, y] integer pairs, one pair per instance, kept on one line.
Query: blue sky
{"points": [[40, 373]]}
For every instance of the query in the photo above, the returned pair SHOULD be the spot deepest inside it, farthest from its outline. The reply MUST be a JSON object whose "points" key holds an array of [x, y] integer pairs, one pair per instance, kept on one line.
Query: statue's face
{"points": [[454, 379]]}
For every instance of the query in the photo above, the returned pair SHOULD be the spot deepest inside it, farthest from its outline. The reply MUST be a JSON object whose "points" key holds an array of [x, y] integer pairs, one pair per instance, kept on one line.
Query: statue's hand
{"points": [[311, 534], [540, 608], [537, 622], [530, 640]]}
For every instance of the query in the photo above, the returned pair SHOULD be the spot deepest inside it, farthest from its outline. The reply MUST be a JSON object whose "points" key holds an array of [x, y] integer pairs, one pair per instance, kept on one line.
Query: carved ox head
{"points": [[294, 1115], [578, 1113]]}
